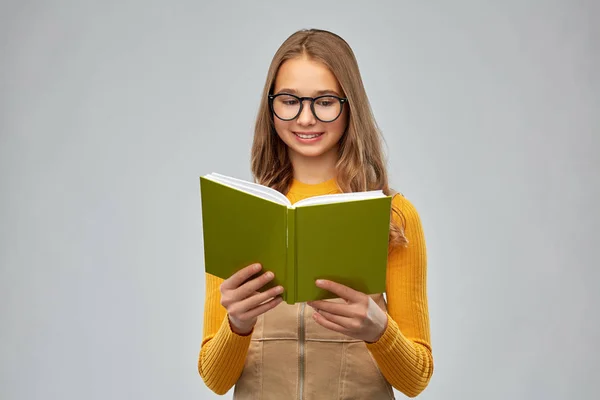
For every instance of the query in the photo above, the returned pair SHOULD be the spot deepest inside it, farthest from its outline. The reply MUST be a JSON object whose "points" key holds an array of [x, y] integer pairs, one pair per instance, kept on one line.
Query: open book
{"points": [[342, 237]]}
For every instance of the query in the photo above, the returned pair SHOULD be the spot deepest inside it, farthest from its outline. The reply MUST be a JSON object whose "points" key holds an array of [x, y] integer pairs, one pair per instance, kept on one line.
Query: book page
{"points": [[339, 198], [255, 189]]}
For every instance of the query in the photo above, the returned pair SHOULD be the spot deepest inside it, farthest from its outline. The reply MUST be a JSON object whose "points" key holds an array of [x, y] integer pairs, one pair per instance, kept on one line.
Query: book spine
{"points": [[291, 278]]}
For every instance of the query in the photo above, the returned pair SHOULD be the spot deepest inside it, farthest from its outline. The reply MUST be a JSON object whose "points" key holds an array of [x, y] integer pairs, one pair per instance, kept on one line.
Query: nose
{"points": [[306, 117]]}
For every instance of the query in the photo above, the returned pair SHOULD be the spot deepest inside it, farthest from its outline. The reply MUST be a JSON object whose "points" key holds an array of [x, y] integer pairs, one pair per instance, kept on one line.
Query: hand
{"points": [[242, 300], [359, 317]]}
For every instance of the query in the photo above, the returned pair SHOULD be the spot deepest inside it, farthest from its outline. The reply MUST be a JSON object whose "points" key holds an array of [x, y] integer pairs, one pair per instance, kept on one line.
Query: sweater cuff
{"points": [[231, 345], [228, 333], [391, 338]]}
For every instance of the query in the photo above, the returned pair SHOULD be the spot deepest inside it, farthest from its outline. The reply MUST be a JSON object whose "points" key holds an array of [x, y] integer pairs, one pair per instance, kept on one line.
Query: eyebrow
{"points": [[317, 93]]}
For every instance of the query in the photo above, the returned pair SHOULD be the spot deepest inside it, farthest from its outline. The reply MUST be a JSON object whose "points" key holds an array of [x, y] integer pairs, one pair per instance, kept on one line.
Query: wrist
{"points": [[381, 331], [241, 331]]}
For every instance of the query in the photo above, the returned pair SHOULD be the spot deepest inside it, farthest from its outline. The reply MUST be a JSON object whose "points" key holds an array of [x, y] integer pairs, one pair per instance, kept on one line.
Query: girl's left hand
{"points": [[359, 317]]}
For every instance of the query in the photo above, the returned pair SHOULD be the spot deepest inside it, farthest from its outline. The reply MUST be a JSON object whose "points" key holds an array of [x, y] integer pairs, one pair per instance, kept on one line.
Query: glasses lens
{"points": [[286, 107], [327, 108]]}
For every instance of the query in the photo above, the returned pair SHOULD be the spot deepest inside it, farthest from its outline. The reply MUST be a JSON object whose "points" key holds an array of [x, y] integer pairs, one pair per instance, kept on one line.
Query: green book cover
{"points": [[341, 237]]}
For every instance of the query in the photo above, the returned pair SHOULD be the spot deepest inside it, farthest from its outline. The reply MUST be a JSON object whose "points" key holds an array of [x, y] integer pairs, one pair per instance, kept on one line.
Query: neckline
{"points": [[328, 186]]}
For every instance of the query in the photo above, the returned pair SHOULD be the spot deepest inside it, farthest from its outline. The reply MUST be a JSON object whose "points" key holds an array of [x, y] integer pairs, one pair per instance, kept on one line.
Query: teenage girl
{"points": [[315, 134]]}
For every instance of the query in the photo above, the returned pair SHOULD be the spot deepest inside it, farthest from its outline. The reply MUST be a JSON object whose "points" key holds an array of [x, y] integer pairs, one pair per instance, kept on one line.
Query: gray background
{"points": [[109, 112]]}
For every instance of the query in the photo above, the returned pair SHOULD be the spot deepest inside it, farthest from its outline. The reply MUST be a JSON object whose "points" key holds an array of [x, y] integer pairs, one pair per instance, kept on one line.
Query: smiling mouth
{"points": [[308, 135]]}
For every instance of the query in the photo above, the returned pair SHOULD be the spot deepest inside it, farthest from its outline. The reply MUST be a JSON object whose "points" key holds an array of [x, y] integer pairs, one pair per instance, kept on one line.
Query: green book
{"points": [[342, 237]]}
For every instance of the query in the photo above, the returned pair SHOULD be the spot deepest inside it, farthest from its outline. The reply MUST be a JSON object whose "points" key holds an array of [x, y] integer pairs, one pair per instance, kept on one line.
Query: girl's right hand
{"points": [[242, 300]]}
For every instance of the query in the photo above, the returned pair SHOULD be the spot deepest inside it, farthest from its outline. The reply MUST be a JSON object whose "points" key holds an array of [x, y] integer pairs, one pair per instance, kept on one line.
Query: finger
{"points": [[263, 308], [241, 276], [342, 309], [248, 288], [259, 298], [337, 288], [324, 322], [344, 322]]}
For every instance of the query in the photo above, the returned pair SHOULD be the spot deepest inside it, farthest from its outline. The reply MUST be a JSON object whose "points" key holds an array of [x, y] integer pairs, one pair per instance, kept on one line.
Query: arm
{"points": [[403, 352], [223, 352]]}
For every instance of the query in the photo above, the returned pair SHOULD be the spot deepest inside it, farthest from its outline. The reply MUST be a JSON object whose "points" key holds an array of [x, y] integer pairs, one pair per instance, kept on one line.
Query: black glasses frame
{"points": [[272, 97]]}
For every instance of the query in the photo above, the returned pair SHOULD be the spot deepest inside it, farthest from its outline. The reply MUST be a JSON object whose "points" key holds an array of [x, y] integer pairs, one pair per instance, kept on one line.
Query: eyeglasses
{"points": [[325, 108]]}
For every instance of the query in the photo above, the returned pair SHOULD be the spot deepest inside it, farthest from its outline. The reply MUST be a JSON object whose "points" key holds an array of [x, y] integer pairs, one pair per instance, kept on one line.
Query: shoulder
{"points": [[402, 203], [407, 218]]}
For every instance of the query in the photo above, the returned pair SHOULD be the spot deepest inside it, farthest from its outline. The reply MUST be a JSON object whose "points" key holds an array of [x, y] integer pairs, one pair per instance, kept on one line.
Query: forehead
{"points": [[306, 77]]}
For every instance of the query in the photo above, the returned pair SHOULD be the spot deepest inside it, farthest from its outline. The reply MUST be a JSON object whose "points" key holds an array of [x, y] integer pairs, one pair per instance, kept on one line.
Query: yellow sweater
{"points": [[403, 353]]}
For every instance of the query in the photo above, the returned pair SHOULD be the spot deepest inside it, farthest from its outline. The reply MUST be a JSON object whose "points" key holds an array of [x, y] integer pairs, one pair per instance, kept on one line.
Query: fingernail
{"points": [[279, 289], [320, 281], [269, 275], [256, 267]]}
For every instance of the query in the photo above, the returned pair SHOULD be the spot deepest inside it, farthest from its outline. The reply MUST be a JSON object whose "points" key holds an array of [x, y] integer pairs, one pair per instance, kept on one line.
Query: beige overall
{"points": [[293, 357]]}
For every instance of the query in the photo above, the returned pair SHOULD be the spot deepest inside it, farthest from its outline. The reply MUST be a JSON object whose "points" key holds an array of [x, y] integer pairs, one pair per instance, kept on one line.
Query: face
{"points": [[306, 136]]}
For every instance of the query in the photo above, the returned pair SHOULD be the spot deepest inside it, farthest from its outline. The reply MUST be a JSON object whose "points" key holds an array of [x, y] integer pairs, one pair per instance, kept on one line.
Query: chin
{"points": [[312, 153]]}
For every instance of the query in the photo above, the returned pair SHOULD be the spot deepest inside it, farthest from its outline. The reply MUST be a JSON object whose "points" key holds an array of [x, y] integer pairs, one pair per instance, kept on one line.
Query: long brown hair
{"points": [[360, 165]]}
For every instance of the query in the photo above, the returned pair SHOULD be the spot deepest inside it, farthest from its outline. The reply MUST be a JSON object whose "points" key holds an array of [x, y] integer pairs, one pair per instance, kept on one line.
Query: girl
{"points": [[315, 134]]}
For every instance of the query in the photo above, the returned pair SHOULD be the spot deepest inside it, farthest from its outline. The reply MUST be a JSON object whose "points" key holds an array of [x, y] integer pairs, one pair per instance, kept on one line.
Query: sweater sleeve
{"points": [[403, 353], [223, 352]]}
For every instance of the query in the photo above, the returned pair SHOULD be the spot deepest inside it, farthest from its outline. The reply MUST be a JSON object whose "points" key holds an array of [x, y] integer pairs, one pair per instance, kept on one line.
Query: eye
{"points": [[287, 100], [326, 102]]}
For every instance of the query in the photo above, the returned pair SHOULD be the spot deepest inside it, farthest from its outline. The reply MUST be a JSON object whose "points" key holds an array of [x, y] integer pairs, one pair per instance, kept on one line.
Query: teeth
{"points": [[308, 136]]}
